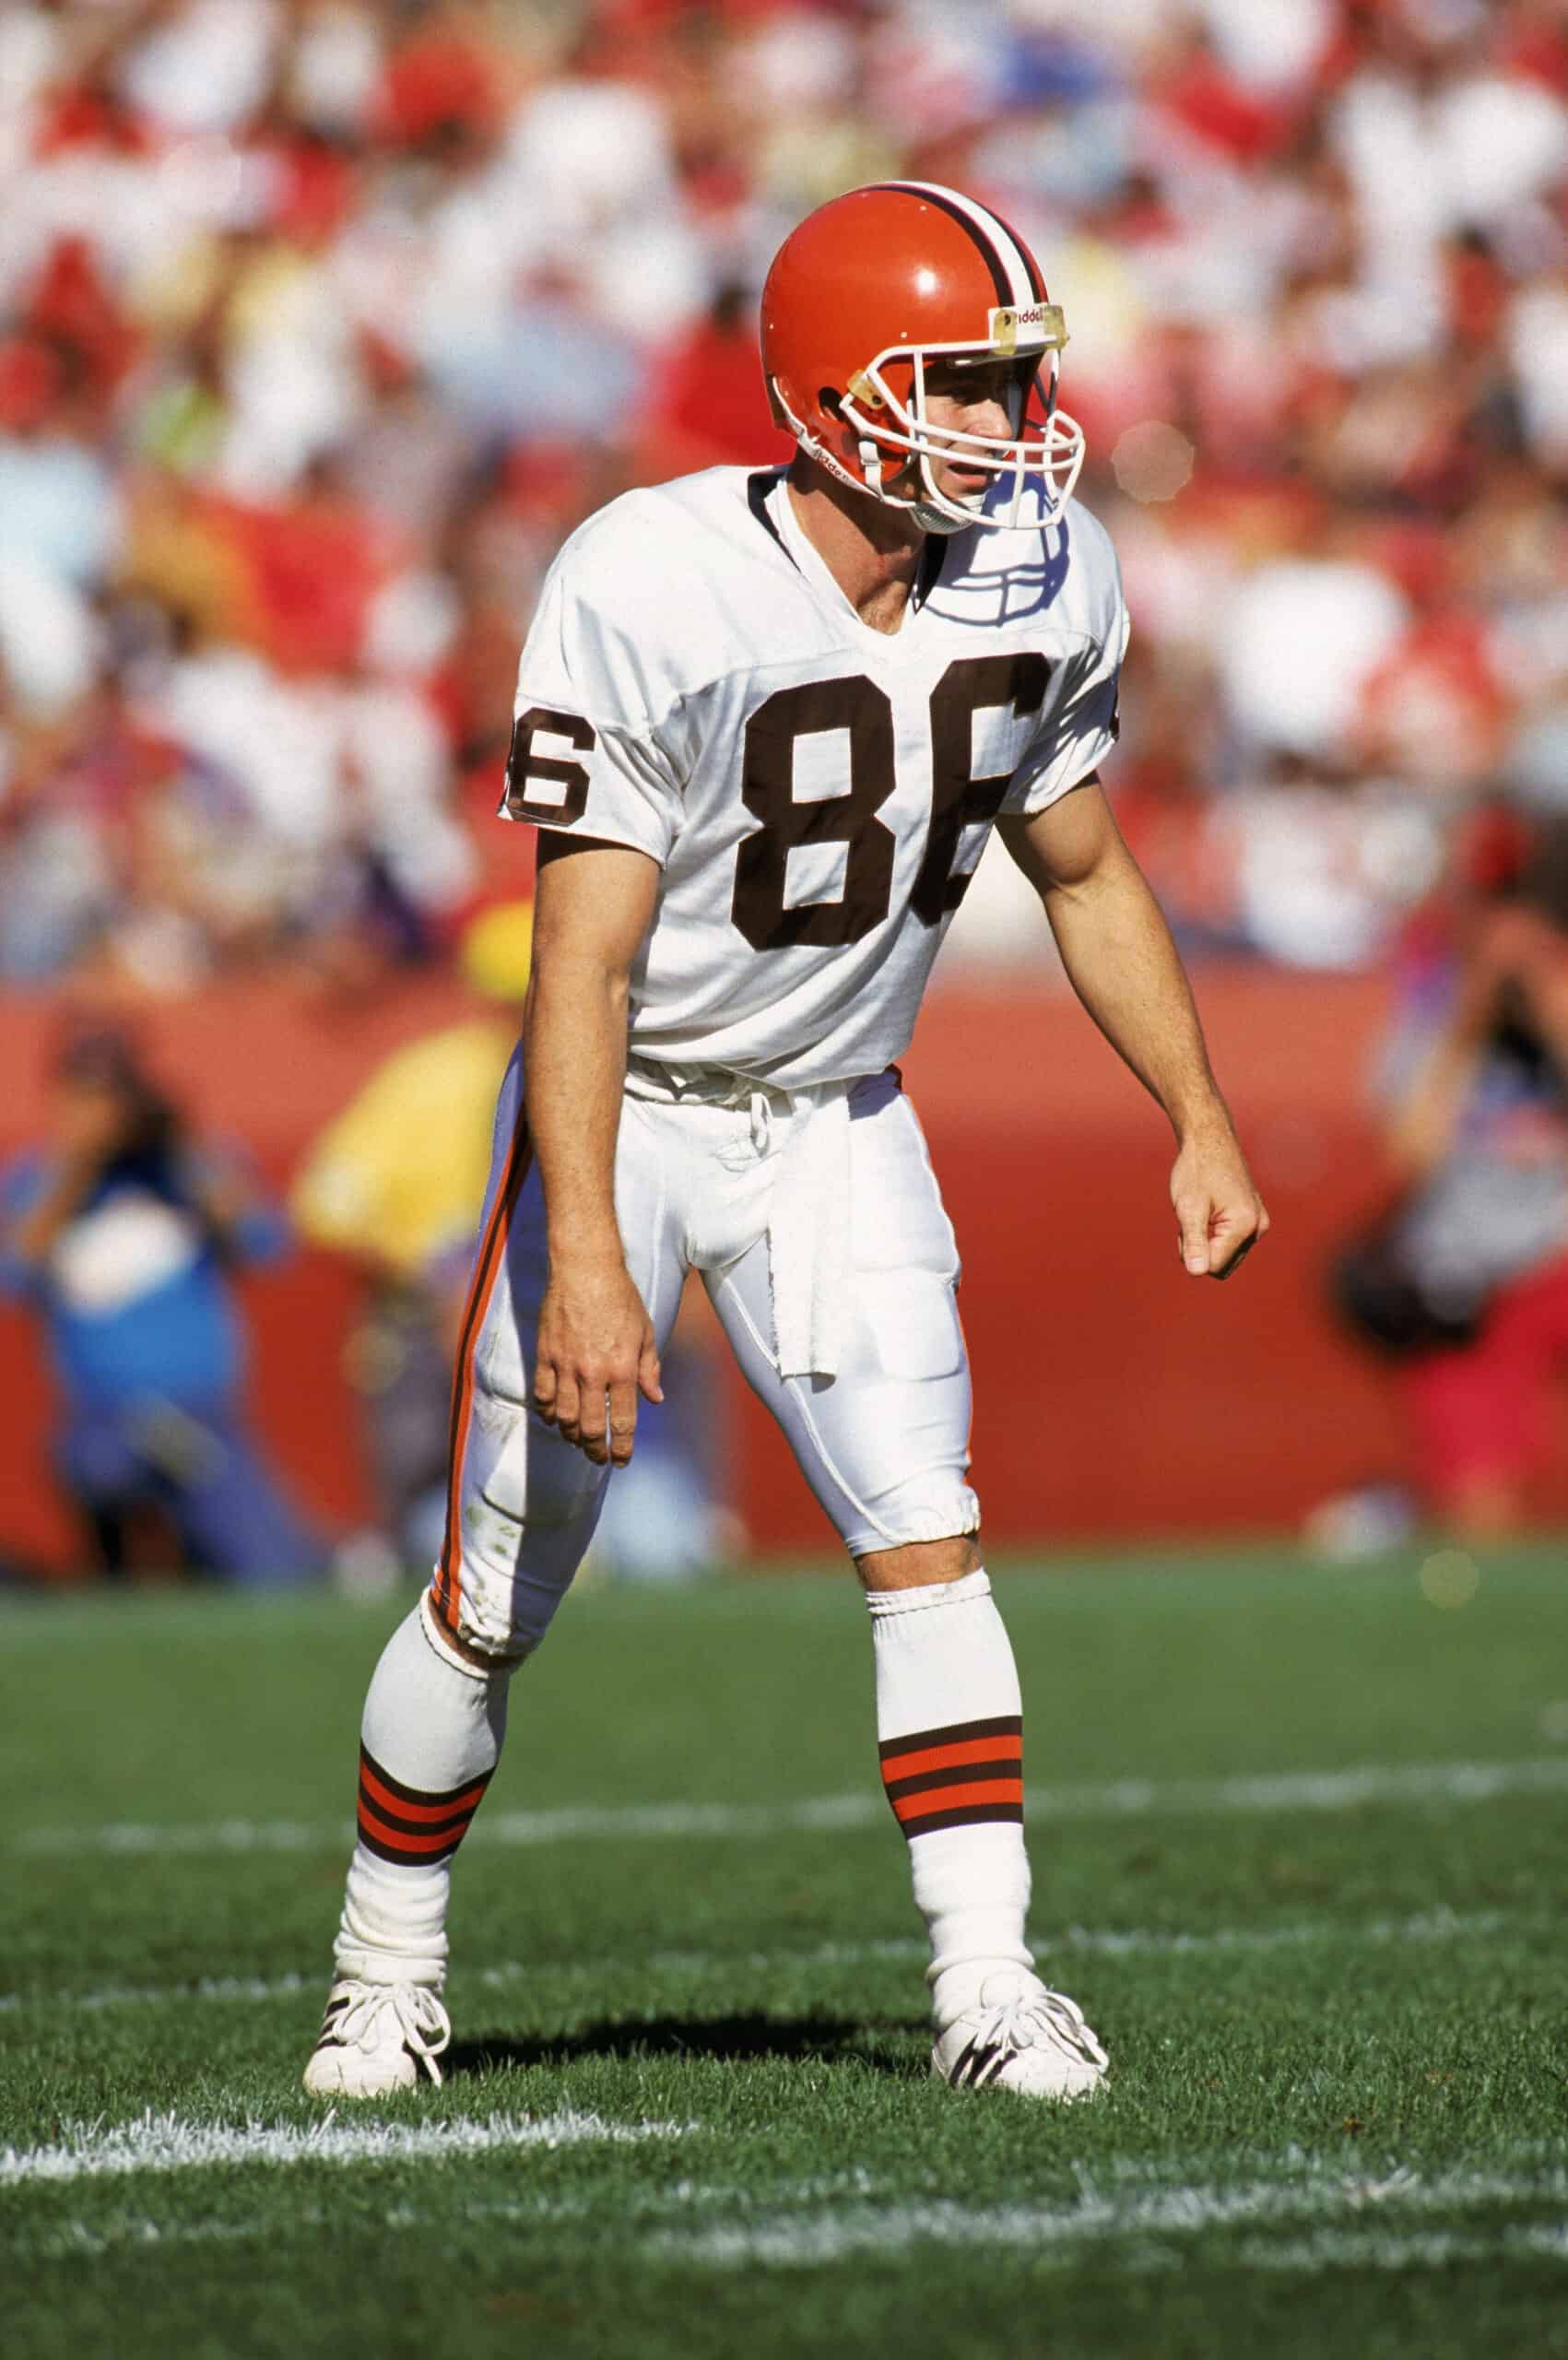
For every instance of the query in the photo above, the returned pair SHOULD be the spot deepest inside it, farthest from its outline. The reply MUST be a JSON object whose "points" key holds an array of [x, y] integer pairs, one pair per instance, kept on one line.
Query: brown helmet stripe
{"points": [[943, 204]]}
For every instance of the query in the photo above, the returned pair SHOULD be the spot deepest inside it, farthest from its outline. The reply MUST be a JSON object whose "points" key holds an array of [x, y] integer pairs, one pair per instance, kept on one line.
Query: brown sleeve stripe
{"points": [[957, 1733], [951, 1758], [410, 1802], [960, 1774], [969, 1815], [960, 1798]]}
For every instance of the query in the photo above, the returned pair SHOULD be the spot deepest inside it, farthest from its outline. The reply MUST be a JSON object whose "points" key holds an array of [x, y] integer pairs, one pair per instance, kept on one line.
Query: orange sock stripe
{"points": [[397, 1853], [969, 1774], [951, 1758], [385, 1823], [387, 1798], [964, 1798], [400, 1843], [444, 1591]]}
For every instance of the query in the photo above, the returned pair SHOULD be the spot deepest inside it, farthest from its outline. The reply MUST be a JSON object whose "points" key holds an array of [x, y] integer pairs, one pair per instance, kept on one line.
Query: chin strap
{"points": [[928, 514], [936, 520]]}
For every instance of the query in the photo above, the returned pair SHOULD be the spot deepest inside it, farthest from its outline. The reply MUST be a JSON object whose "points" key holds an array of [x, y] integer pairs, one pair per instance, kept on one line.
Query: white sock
{"points": [[430, 1740], [950, 1727]]}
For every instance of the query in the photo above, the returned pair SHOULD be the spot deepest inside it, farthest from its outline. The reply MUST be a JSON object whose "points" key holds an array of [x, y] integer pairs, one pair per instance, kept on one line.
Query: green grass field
{"points": [[1299, 1853]]}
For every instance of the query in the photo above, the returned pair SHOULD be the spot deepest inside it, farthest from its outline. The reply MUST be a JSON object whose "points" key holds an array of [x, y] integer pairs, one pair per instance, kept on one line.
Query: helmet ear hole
{"points": [[831, 400]]}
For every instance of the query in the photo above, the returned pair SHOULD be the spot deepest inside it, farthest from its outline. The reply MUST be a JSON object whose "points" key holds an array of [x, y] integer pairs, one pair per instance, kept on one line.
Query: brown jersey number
{"points": [[546, 786], [958, 800]]}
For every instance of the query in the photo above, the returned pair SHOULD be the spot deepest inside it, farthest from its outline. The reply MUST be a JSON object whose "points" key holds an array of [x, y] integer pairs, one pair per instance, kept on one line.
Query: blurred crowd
{"points": [[321, 322]]}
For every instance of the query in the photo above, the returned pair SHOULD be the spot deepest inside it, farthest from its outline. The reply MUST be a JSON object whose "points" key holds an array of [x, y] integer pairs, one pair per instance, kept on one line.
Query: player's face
{"points": [[981, 396], [91, 1118]]}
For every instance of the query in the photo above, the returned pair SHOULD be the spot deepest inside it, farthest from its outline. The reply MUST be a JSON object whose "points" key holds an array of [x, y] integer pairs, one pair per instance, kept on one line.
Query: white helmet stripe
{"points": [[994, 231]]}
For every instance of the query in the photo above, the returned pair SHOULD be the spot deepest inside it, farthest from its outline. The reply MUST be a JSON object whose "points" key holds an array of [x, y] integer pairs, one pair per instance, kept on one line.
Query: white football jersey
{"points": [[817, 793]]}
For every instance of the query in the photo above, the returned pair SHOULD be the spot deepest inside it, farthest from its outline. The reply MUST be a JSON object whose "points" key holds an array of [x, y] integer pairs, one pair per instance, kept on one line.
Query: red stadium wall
{"points": [[1114, 1394]]}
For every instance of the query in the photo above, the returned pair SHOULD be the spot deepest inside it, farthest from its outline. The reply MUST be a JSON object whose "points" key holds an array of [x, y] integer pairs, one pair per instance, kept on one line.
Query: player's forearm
{"points": [[574, 1063], [1424, 1125], [1125, 969]]}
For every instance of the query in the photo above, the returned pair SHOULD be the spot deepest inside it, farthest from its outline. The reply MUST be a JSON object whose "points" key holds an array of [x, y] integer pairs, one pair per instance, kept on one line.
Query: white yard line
{"points": [[1350, 2221], [77, 2242], [1430, 1925], [241, 1987], [1435, 1926], [166, 2142], [1301, 1790], [1374, 2249], [1101, 2216], [653, 2203]]}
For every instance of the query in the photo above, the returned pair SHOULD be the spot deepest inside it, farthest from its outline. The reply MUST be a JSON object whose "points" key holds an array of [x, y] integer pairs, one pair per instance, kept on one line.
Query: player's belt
{"points": [[809, 1218]]}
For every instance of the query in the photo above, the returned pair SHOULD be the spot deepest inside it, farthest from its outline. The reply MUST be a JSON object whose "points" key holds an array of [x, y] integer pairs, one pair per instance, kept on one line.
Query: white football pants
{"points": [[883, 1442]]}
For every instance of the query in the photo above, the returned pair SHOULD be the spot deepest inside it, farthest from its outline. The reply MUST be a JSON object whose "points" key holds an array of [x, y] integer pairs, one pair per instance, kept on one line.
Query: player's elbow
{"points": [[597, 970]]}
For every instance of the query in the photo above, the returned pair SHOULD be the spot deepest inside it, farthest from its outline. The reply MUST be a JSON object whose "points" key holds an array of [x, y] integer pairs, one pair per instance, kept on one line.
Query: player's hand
{"points": [[1219, 1212], [595, 1353]]}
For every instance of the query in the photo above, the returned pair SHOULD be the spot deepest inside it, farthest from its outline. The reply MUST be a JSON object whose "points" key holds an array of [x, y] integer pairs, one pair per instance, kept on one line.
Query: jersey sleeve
{"points": [[584, 755], [1078, 727]]}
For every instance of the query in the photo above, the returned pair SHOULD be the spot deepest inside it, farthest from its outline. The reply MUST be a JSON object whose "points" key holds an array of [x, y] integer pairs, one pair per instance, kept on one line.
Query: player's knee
{"points": [[512, 1581], [495, 1625], [463, 1643], [914, 1563], [925, 1514]]}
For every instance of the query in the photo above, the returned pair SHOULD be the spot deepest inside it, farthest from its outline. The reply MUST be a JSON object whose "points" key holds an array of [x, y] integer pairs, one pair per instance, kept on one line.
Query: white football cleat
{"points": [[1018, 2036], [374, 2038]]}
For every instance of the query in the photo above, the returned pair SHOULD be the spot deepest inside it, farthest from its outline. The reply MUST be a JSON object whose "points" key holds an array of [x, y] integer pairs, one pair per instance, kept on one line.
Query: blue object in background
{"points": [[148, 1346]]}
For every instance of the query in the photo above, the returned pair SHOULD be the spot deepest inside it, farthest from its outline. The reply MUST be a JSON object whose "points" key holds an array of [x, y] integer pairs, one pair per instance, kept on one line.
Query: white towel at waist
{"points": [[808, 1261]]}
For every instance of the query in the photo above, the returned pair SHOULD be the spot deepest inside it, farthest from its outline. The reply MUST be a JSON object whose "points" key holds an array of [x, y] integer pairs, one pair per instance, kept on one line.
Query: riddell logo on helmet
{"points": [[1027, 327]]}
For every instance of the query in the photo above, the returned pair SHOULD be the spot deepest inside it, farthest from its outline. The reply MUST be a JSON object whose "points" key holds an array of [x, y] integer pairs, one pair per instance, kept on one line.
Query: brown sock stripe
{"points": [[932, 1763], [986, 1798], [963, 1776], [412, 1802], [407, 1851], [1007, 1725], [398, 1824], [972, 1815], [393, 1822], [961, 1773]]}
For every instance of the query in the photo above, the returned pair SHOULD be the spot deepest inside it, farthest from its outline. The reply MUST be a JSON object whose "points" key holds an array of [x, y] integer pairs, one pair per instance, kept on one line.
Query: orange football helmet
{"points": [[862, 296]]}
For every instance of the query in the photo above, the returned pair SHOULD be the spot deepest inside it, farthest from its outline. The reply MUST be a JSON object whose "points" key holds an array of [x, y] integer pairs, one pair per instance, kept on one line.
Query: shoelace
{"points": [[422, 2018], [1038, 2019]]}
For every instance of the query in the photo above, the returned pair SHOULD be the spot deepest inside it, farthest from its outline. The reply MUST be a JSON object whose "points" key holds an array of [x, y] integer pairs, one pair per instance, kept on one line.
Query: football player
{"points": [[766, 723]]}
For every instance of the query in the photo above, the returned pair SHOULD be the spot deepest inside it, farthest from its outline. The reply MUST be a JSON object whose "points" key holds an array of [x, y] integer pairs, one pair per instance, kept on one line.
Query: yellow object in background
{"points": [[399, 1176], [495, 951]]}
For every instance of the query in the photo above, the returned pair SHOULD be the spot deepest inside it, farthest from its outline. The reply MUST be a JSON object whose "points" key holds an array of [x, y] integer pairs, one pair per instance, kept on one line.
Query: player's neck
{"points": [[872, 551]]}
